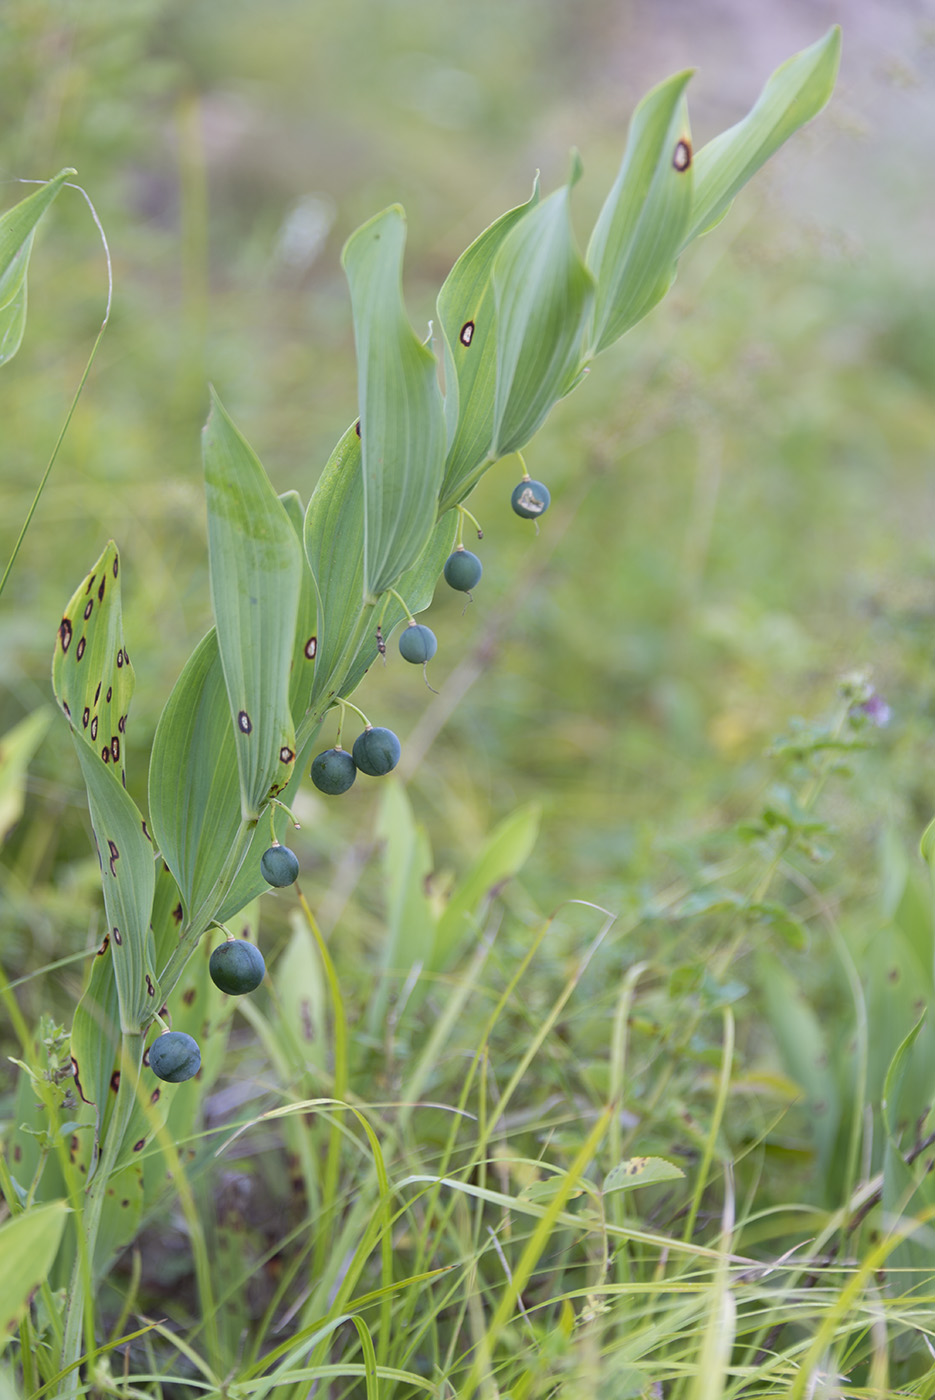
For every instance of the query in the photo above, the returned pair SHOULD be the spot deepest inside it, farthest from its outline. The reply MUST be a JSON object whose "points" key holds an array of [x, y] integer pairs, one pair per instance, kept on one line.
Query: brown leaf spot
{"points": [[85, 717], [155, 1096], [100, 591], [79, 651], [150, 989], [88, 608], [110, 694], [64, 633], [115, 566], [105, 753], [122, 724], [93, 727], [682, 155], [138, 1146], [115, 748], [245, 723], [114, 857], [104, 946], [97, 693], [188, 996], [286, 755], [74, 1070], [466, 333], [115, 1080], [311, 646], [177, 912], [117, 937]]}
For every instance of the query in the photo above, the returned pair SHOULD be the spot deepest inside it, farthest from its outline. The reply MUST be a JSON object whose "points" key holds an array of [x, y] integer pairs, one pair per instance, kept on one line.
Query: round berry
{"points": [[279, 866], [174, 1057], [463, 570], [333, 771], [530, 498], [376, 751], [237, 966], [417, 644]]}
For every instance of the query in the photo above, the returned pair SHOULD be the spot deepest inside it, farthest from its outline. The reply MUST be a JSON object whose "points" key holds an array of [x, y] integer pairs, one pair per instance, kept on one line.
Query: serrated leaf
{"points": [[640, 1171], [17, 231], [468, 319], [256, 572], [542, 294], [28, 1245], [793, 95], [93, 683], [505, 852], [639, 231], [400, 405], [17, 748]]}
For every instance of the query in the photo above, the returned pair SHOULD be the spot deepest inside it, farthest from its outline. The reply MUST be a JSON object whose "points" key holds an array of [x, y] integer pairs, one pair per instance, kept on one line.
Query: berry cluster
{"points": [[236, 966]]}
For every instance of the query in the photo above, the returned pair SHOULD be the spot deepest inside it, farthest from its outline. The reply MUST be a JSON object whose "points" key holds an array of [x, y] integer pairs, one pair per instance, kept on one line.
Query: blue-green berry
{"points": [[279, 866], [530, 498], [174, 1057], [463, 570], [417, 644], [237, 966], [376, 751], [333, 771]]}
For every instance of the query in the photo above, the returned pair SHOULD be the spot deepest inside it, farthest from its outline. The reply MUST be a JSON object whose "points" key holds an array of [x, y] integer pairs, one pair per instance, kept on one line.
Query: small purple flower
{"points": [[876, 710]]}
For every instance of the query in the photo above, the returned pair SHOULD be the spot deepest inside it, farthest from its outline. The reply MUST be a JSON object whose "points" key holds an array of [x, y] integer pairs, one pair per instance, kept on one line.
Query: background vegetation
{"points": [[742, 514]]}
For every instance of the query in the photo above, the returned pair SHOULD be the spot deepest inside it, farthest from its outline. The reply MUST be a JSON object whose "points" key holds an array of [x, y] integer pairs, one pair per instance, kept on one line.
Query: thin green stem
{"points": [[77, 395]]}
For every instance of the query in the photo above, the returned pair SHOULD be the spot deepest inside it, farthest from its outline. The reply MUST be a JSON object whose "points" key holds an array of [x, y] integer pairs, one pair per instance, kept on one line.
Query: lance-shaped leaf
{"points": [[194, 790], [400, 405], [17, 230], [305, 644], [93, 682], [95, 1040], [468, 319], [345, 641], [28, 1245], [256, 571], [542, 293], [17, 748], [642, 225], [793, 95]]}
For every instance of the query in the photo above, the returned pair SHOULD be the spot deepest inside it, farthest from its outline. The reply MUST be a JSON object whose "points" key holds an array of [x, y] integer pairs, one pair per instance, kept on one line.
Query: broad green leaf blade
{"points": [[641, 227], [17, 748], [128, 877], [305, 645], [640, 1171], [95, 1039], [12, 325], [543, 294], [505, 852], [256, 572], [28, 1245], [401, 417], [91, 672], [793, 95], [468, 319], [17, 230], [93, 682], [345, 642], [194, 791]]}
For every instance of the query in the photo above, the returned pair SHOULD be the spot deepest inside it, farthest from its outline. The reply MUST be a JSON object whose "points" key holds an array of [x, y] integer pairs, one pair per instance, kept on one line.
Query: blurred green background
{"points": [[742, 488]]}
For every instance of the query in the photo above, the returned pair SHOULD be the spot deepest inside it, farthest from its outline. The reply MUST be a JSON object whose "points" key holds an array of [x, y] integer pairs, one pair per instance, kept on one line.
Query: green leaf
{"points": [[543, 294], [793, 95], [640, 1171], [17, 748], [640, 229], [95, 1040], [93, 683], [17, 231], [506, 850], [256, 572], [28, 1245], [468, 320], [401, 417], [194, 791], [305, 644], [345, 644]]}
